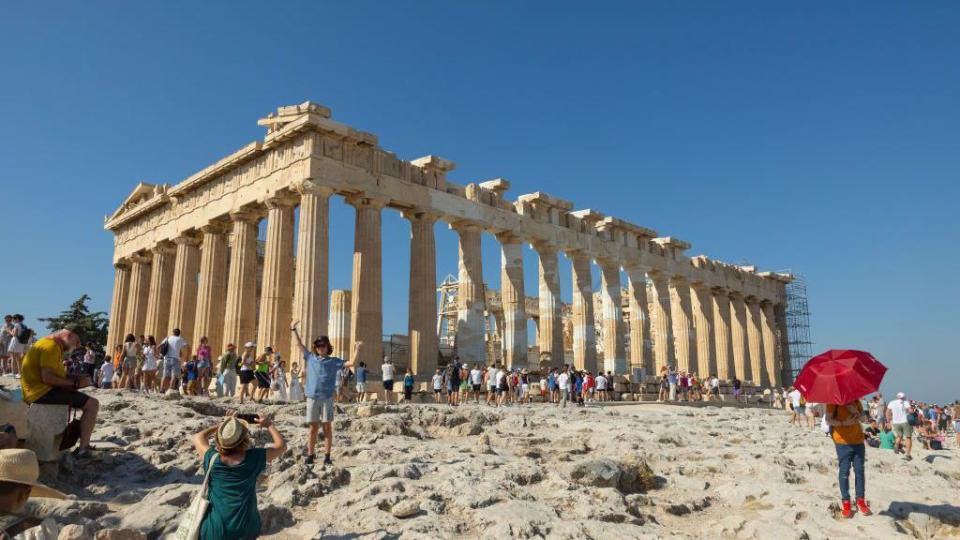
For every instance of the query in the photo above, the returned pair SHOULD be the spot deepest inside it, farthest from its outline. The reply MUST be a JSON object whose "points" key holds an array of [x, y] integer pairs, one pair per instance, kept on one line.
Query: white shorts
{"points": [[319, 411], [16, 347], [361, 387]]}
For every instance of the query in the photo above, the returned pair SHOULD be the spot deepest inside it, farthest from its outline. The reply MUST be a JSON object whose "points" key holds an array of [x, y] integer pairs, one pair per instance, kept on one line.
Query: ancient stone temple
{"points": [[188, 256]]}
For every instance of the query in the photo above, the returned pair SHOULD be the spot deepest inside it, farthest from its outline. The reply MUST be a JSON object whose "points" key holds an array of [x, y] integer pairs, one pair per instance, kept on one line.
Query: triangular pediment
{"points": [[143, 192]]}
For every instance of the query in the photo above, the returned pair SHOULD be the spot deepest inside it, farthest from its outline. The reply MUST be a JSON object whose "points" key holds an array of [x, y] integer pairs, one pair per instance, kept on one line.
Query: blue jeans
{"points": [[855, 454]]}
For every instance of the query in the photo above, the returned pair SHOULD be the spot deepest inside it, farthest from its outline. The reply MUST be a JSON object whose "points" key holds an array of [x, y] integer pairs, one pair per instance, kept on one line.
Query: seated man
{"points": [[19, 471], [872, 434], [45, 381]]}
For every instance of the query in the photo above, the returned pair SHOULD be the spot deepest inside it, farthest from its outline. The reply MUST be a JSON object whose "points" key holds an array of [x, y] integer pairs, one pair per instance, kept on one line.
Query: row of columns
{"points": [[692, 327]]}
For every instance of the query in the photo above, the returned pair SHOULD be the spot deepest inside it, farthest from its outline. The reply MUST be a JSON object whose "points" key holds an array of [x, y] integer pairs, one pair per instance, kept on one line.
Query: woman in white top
{"points": [[296, 389], [150, 364], [279, 377], [129, 362], [247, 361]]}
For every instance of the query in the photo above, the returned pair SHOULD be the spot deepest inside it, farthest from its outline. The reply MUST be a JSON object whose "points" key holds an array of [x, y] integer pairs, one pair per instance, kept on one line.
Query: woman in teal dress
{"points": [[232, 490]]}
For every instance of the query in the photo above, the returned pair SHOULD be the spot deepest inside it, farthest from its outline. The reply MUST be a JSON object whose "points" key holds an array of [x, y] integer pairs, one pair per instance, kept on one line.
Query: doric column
{"points": [[339, 328], [276, 292], [681, 310], [584, 333], [183, 300], [755, 342], [161, 286], [641, 346], [470, 296], [212, 288], [513, 300], [770, 356], [118, 305], [662, 327], [702, 306], [550, 327], [239, 321], [738, 337], [311, 281], [366, 308], [138, 295], [422, 306], [614, 346], [783, 340], [722, 341]]}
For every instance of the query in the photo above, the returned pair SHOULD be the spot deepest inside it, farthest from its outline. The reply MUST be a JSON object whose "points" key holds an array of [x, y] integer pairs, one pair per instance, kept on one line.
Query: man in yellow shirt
{"points": [[45, 381], [847, 434]]}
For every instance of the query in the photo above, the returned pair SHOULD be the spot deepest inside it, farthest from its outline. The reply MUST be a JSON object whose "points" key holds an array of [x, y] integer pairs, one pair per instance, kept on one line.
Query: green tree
{"points": [[93, 325]]}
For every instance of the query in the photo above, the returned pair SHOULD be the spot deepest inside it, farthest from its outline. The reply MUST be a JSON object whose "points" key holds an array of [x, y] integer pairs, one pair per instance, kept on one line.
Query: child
{"points": [[106, 373], [437, 386], [408, 385], [192, 375]]}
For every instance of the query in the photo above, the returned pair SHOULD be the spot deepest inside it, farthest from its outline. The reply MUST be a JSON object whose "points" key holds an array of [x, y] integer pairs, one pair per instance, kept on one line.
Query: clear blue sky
{"points": [[812, 136]]}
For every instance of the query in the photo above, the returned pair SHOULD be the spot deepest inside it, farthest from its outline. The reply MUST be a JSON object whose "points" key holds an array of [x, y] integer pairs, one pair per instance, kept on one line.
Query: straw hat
{"points": [[232, 433], [250, 345], [21, 467]]}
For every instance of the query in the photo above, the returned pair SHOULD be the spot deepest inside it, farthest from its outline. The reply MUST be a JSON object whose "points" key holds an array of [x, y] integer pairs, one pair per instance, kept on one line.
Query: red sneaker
{"points": [[846, 512], [863, 507]]}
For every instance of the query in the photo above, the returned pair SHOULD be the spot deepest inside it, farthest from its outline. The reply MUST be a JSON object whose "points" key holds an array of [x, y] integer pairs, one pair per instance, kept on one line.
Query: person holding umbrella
{"points": [[838, 379]]}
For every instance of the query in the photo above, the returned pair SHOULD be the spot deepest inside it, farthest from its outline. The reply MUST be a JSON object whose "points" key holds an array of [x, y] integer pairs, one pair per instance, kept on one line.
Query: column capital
{"points": [[309, 185], [187, 239], [635, 267], [140, 258], [765, 303], [607, 263], [281, 200], [464, 225], [750, 299], [719, 291], [163, 247], [736, 295], [509, 237], [578, 254], [420, 214], [121, 264], [679, 281], [245, 216], [363, 200], [700, 285], [214, 228], [545, 248]]}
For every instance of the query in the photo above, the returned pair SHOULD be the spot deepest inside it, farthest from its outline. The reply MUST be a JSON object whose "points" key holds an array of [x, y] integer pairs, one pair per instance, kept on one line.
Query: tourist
{"points": [[247, 363], [19, 472], [106, 374], [563, 383], [129, 363], [6, 366], [204, 365], [887, 438], [524, 387], [338, 384], [552, 385], [601, 383], [476, 382], [321, 367], [880, 414], [45, 381], [956, 420], [588, 384], [361, 382], [296, 387], [453, 382], [872, 434], [543, 389], [492, 384], [387, 373], [89, 360], [848, 439], [503, 387], [172, 348], [464, 394], [797, 406], [736, 388], [262, 374], [672, 381], [19, 340], [191, 377], [810, 410], [234, 468], [437, 381], [278, 376], [408, 386], [897, 413], [227, 368], [149, 368]]}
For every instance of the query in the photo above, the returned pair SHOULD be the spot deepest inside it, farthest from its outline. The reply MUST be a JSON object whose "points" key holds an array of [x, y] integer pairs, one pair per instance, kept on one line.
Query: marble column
{"points": [[239, 321], [118, 305], [366, 307], [276, 292], [722, 340], [513, 301], [138, 295], [550, 327], [212, 287], [339, 328], [738, 335], [422, 304], [783, 340], [584, 332], [770, 356], [311, 279], [614, 345], [470, 296], [683, 335], [161, 287], [755, 342], [662, 327], [183, 300], [641, 346], [702, 306]]}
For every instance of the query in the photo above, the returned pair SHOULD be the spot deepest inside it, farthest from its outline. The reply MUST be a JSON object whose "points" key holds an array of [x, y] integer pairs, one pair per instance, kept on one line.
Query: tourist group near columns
{"points": [[188, 256]]}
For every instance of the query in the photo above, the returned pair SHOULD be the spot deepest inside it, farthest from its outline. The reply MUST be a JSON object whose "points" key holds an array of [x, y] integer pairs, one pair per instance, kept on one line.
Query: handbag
{"points": [[189, 528], [71, 435]]}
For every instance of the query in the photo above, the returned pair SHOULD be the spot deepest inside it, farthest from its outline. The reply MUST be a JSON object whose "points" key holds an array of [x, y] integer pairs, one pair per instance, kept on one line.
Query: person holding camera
{"points": [[234, 467], [320, 370]]}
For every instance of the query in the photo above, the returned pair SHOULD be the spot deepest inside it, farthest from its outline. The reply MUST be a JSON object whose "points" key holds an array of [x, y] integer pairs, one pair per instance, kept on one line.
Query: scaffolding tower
{"points": [[797, 315]]}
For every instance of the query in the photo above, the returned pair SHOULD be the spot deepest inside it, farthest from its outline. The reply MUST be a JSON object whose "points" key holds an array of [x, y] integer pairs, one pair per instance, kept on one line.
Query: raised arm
{"points": [[279, 445], [296, 334], [201, 441], [353, 355]]}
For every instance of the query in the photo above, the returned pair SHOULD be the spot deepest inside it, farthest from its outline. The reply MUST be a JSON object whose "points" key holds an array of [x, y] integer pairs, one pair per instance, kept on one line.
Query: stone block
{"points": [[46, 425], [15, 412]]}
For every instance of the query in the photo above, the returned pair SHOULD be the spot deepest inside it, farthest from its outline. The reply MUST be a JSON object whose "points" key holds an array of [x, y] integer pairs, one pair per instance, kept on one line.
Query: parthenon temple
{"points": [[187, 256]]}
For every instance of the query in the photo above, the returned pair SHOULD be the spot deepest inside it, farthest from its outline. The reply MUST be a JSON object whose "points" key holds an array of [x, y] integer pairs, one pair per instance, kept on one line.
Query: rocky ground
{"points": [[426, 471]]}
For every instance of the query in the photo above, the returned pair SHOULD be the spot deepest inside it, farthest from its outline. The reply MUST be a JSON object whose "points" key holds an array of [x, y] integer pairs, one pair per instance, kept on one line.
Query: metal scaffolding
{"points": [[797, 315]]}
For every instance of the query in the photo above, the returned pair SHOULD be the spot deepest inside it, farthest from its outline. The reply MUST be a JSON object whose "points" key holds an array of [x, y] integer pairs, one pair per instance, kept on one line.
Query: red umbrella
{"points": [[840, 376]]}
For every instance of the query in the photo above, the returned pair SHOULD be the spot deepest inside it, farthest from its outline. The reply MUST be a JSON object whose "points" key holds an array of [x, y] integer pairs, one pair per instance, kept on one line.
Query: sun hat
{"points": [[901, 395], [232, 433], [20, 467], [250, 345]]}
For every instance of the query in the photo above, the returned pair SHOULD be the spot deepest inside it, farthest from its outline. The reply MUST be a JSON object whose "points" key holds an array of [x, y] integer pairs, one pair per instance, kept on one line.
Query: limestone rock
{"points": [[626, 477], [405, 508], [172, 395], [373, 409], [274, 518], [120, 534], [74, 532]]}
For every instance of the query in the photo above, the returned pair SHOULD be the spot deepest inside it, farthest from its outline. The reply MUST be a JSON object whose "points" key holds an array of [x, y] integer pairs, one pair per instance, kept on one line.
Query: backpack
{"points": [[23, 334], [164, 348], [912, 419]]}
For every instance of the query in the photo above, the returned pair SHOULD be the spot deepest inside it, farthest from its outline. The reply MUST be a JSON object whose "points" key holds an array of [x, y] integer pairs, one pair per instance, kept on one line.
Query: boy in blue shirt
{"points": [[320, 369]]}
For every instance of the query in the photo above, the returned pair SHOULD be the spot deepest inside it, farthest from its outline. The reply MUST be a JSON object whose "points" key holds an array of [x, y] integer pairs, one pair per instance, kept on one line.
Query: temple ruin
{"points": [[186, 256]]}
